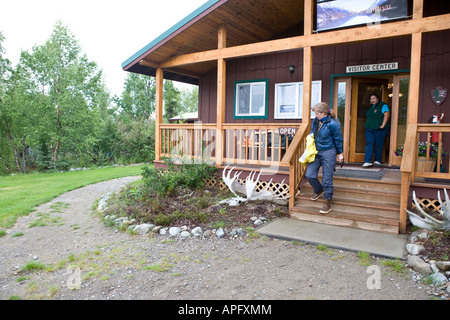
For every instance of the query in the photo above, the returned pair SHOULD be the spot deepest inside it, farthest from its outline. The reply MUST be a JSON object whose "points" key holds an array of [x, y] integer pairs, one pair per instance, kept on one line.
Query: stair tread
{"points": [[349, 223], [346, 215], [368, 191], [355, 202]]}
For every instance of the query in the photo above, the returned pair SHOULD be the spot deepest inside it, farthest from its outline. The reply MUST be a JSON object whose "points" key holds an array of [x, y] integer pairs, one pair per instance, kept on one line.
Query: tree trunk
{"points": [[58, 132], [16, 154], [24, 156]]}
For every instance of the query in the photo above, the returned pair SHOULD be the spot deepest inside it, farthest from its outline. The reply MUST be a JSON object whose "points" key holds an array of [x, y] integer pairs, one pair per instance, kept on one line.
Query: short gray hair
{"points": [[321, 107]]}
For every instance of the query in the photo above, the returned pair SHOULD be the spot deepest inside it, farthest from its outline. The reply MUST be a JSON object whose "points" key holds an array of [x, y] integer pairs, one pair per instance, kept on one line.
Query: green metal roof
{"points": [[163, 36]]}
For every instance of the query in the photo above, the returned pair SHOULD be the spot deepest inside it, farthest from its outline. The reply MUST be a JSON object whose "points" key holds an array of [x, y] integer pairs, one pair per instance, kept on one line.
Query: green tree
{"points": [[189, 99], [75, 97], [5, 150], [172, 106], [138, 97]]}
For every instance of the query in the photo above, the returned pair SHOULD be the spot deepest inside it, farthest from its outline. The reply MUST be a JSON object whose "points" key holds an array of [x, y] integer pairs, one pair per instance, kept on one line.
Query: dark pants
{"points": [[327, 160], [375, 142]]}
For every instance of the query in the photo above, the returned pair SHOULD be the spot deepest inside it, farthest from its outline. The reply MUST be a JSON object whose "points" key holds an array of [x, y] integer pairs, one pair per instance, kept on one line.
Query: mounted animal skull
{"points": [[249, 189], [428, 222]]}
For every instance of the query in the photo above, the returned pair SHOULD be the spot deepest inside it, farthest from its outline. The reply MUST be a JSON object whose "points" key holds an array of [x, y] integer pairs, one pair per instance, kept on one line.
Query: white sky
{"points": [[109, 32]]}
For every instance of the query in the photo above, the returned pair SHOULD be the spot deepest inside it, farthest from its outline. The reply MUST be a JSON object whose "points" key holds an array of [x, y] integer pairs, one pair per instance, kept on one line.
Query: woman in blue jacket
{"points": [[328, 139]]}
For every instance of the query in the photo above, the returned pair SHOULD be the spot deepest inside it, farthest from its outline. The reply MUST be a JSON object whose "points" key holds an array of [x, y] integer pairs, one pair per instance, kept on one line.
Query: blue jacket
{"points": [[329, 136]]}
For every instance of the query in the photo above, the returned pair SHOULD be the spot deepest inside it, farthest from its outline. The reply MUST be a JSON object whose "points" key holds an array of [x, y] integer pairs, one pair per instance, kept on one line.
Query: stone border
{"points": [[437, 271]]}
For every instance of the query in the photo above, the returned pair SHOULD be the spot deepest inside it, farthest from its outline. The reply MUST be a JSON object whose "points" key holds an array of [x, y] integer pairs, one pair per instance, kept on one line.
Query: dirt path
{"points": [[91, 261]]}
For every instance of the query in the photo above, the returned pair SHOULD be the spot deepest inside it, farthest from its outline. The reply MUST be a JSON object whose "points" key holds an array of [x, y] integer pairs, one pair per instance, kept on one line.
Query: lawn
{"points": [[20, 194]]}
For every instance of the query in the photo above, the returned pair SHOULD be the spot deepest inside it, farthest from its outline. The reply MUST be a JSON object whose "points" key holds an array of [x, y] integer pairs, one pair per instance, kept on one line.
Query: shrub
{"points": [[165, 182]]}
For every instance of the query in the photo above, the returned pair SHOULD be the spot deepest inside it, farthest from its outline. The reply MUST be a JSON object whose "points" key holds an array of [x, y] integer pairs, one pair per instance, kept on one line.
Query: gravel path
{"points": [[91, 261]]}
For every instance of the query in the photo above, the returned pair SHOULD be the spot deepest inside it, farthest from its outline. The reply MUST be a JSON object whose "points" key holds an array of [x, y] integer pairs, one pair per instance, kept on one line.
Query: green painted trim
{"points": [[174, 28], [266, 116], [349, 75]]}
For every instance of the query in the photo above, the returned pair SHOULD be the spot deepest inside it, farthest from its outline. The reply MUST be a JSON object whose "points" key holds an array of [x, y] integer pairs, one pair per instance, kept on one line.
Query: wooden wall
{"points": [[327, 61]]}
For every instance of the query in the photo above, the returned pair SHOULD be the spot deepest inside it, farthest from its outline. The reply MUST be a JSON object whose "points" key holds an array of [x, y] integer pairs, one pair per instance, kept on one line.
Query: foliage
{"points": [[21, 193], [422, 146], [55, 112], [166, 182]]}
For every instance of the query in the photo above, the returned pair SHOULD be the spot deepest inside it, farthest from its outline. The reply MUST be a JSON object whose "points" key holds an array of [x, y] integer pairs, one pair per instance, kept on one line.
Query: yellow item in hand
{"points": [[310, 152]]}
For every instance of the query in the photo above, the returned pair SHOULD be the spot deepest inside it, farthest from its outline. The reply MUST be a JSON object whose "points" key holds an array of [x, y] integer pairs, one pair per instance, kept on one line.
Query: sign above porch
{"points": [[372, 67], [332, 14]]}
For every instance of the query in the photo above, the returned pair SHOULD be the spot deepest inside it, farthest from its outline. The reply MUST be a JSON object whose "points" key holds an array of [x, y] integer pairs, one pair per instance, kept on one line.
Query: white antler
{"points": [[250, 188], [428, 222]]}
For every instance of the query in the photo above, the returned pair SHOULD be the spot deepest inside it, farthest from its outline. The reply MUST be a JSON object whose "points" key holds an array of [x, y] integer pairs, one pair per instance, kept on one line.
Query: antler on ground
{"points": [[428, 222], [249, 188]]}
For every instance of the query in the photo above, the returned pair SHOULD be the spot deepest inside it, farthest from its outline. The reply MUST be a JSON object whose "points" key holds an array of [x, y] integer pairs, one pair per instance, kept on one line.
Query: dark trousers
{"points": [[327, 160], [374, 144]]}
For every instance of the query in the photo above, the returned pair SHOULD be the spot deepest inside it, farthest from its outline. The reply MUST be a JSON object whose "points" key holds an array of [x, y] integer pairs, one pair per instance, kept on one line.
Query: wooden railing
{"points": [[249, 144], [296, 169], [428, 166], [191, 141]]}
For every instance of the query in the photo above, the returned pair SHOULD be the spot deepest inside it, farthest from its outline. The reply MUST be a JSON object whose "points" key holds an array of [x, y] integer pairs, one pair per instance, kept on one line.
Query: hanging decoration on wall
{"points": [[438, 95]]}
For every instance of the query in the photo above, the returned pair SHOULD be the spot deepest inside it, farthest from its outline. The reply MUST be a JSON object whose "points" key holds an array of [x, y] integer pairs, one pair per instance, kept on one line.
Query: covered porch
{"points": [[215, 42]]}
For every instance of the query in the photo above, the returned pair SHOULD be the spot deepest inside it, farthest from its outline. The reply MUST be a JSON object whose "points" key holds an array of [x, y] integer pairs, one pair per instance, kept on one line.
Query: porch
{"points": [[369, 199]]}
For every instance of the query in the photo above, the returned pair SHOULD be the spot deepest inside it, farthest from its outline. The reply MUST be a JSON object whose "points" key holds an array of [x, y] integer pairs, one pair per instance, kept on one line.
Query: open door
{"points": [[362, 89]]}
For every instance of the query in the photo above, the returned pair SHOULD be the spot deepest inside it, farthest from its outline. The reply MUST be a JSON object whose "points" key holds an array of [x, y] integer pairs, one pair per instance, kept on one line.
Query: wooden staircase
{"points": [[357, 203]]}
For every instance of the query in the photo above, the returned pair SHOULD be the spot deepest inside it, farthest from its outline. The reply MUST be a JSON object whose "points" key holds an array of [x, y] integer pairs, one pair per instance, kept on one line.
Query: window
{"points": [[289, 99], [251, 99]]}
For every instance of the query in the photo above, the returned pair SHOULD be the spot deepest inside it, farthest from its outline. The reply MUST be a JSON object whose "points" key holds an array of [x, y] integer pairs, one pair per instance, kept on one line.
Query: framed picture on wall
{"points": [[289, 99]]}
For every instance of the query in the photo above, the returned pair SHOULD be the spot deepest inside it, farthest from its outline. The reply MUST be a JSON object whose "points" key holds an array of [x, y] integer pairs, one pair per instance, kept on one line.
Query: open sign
{"points": [[289, 131]]}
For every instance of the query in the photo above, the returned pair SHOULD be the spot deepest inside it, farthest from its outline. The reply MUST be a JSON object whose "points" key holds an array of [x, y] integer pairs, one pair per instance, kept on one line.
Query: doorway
{"points": [[351, 101], [362, 89]]}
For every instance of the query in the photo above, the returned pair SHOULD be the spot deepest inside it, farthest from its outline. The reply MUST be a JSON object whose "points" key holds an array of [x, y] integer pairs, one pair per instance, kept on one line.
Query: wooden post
{"points": [[418, 9], [414, 81], [159, 112], [221, 92], [307, 63], [307, 84]]}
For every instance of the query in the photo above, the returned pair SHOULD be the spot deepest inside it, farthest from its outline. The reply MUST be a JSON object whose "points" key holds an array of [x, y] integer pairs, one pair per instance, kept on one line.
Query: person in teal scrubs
{"points": [[377, 127]]}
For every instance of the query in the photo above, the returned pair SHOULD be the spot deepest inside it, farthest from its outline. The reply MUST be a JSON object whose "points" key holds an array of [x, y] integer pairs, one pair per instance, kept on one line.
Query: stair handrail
{"points": [[407, 169], [293, 153]]}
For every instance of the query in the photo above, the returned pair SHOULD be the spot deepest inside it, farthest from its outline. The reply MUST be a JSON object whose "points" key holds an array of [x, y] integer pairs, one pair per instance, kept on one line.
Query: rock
{"points": [[185, 234], [415, 249], [237, 232], [163, 231], [258, 222], [417, 264], [208, 234], [220, 233], [156, 229], [438, 278], [120, 220], [197, 232], [144, 228], [102, 204], [174, 231], [443, 265]]}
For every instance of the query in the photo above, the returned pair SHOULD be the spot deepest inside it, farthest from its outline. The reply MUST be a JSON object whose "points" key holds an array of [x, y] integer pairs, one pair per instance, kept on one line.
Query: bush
{"points": [[165, 182]]}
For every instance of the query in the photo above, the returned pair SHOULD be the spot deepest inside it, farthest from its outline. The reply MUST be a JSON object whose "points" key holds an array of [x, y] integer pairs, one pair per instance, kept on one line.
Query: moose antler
{"points": [[428, 222], [250, 188]]}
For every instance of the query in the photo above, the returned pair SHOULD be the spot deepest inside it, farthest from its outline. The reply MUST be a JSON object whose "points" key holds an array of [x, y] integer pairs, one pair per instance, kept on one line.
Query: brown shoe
{"points": [[316, 196], [326, 208]]}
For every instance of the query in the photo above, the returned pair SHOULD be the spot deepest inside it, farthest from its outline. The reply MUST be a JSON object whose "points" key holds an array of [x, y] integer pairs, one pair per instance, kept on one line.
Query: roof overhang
{"points": [[246, 22]]}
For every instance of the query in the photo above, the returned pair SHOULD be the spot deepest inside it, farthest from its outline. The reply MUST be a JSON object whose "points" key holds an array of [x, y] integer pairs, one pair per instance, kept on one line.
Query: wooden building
{"points": [[260, 66]]}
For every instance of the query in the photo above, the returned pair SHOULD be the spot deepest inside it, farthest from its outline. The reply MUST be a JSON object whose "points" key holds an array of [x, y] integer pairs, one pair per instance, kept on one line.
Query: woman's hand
{"points": [[340, 157]]}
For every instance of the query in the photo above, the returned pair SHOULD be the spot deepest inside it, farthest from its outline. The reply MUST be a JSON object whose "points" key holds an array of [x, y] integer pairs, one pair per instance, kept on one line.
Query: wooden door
{"points": [[362, 89]]}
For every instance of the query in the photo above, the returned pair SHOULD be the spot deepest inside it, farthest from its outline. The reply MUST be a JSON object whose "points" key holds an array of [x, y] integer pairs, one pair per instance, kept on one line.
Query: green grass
{"points": [[19, 195]]}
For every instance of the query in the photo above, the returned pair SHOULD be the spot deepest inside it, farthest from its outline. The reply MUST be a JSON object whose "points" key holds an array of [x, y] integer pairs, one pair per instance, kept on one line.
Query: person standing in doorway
{"points": [[329, 144], [377, 127]]}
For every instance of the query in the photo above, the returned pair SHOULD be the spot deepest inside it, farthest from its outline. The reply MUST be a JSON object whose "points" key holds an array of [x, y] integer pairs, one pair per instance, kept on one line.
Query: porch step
{"points": [[357, 203]]}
